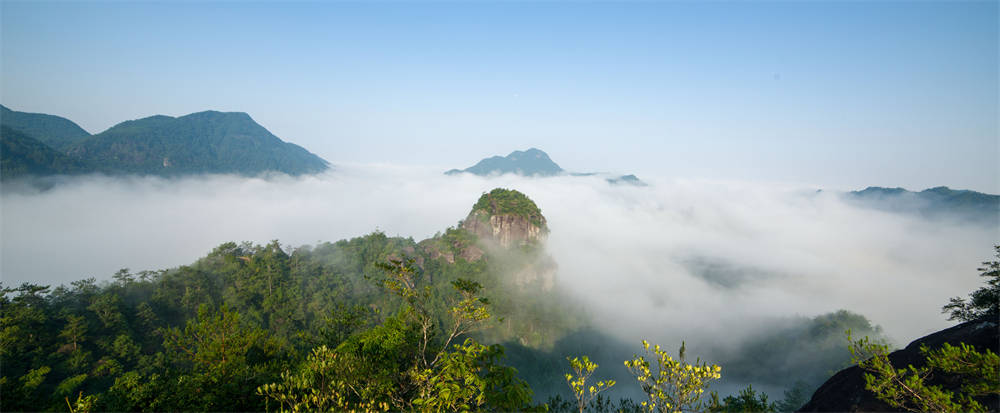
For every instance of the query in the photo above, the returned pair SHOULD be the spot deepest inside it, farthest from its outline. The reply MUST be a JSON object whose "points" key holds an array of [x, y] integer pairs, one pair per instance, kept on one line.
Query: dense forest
{"points": [[371, 323]]}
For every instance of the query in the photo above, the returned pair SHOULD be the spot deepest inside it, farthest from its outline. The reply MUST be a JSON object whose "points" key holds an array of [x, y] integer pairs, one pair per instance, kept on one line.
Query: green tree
{"points": [[75, 330], [983, 303], [907, 388], [409, 362], [675, 385], [746, 401], [219, 361]]}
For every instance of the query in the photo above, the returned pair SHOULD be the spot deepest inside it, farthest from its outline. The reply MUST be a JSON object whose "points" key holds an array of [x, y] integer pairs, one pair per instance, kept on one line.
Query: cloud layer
{"points": [[680, 258]]}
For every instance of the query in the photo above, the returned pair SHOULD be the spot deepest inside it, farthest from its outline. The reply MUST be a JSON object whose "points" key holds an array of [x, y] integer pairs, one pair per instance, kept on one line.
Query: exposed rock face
{"points": [[507, 230], [845, 391]]}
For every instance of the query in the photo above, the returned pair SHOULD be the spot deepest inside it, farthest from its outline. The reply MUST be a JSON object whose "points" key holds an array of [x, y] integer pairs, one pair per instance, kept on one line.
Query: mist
{"points": [[680, 259]]}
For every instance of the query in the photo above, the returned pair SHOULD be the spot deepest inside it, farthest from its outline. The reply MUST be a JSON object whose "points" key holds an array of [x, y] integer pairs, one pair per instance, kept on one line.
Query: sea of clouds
{"points": [[676, 258]]}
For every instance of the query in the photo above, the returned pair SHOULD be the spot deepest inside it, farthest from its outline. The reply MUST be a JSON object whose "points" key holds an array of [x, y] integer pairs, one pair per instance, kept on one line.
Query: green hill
{"points": [[59, 133], [22, 155], [203, 142]]}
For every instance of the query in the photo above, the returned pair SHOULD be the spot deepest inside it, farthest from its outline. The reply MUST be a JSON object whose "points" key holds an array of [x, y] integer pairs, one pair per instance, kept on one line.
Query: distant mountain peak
{"points": [[531, 162], [535, 162], [940, 201], [201, 142]]}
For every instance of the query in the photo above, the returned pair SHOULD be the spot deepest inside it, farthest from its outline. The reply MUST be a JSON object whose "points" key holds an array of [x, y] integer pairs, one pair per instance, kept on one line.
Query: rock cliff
{"points": [[508, 218]]}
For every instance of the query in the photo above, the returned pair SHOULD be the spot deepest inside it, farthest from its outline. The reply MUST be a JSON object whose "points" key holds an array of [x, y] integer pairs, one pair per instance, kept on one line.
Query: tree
{"points": [[75, 330], [220, 360], [983, 303], [404, 363], [675, 385], [746, 401], [907, 388], [577, 381]]}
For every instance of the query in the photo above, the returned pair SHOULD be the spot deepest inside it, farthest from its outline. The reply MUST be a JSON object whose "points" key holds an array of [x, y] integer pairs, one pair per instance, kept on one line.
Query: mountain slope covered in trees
{"points": [[22, 155], [57, 132], [204, 142]]}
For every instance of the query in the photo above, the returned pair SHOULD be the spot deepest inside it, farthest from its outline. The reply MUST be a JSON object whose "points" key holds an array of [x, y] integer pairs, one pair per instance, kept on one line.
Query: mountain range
{"points": [[937, 202], [37, 144], [534, 162]]}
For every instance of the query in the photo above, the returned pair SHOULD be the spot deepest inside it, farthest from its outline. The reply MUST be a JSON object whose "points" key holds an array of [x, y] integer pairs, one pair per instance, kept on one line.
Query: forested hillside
{"points": [[38, 145], [57, 132]]}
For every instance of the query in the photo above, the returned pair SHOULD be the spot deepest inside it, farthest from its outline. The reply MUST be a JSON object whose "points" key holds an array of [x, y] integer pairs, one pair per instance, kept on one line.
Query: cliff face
{"points": [[845, 391], [506, 230]]}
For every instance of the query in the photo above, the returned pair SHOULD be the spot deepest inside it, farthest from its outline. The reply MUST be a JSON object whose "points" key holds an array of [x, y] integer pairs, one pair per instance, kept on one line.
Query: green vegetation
{"points": [[204, 142], [970, 373], [53, 131], [983, 303], [502, 201], [907, 388], [157, 340], [672, 385], [583, 368], [22, 155]]}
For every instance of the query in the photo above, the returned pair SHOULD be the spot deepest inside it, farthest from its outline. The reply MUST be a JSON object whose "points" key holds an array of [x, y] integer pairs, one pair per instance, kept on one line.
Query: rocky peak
{"points": [[506, 217]]}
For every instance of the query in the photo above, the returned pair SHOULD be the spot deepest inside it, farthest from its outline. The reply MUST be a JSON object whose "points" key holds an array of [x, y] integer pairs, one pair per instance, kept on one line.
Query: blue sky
{"points": [[832, 94]]}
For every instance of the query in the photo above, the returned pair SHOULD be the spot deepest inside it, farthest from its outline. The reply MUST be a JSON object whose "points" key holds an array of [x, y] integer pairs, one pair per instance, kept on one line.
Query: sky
{"points": [[837, 95]]}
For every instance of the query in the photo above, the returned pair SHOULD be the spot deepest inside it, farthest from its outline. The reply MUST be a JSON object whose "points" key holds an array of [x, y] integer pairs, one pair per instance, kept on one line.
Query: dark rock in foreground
{"points": [[845, 391]]}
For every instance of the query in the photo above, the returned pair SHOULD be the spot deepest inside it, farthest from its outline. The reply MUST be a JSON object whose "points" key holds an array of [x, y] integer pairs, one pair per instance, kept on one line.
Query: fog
{"points": [[680, 258]]}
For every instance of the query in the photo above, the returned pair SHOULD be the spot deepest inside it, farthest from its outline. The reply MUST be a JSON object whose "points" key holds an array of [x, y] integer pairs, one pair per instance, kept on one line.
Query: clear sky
{"points": [[835, 94]]}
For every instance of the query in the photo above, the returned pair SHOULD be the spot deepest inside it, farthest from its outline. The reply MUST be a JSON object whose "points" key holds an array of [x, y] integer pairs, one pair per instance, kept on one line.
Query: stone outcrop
{"points": [[845, 391], [507, 230]]}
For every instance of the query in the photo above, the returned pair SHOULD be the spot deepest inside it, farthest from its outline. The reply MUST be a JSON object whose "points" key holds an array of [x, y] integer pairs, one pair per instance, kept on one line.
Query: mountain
{"points": [[845, 391], [22, 155], [203, 142], [532, 162], [938, 202], [59, 133]]}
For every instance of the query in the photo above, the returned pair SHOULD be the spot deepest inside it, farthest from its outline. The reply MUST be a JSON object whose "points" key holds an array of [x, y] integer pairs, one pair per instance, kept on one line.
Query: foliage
{"points": [[907, 388], [204, 142], [746, 401], [983, 303], [21, 155], [54, 131], [675, 385], [502, 201], [218, 356], [600, 404], [408, 362], [317, 386], [583, 368]]}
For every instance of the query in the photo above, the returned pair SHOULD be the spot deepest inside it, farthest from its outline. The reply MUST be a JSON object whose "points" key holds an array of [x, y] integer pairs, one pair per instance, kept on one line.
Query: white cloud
{"points": [[631, 252]]}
